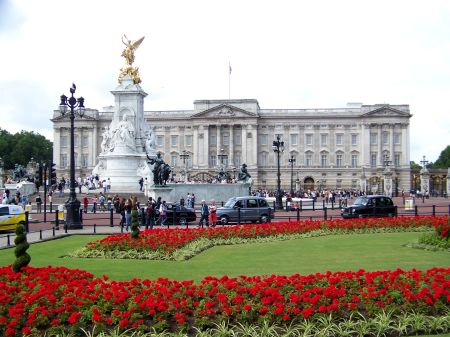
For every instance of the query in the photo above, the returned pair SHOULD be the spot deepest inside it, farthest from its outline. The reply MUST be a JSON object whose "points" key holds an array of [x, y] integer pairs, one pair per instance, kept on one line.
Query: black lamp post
{"points": [[278, 148], [185, 156], [72, 204], [292, 162]]}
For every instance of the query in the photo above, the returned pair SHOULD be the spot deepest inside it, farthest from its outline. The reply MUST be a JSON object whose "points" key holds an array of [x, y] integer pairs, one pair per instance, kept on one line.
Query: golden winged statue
{"points": [[128, 54], [130, 47]]}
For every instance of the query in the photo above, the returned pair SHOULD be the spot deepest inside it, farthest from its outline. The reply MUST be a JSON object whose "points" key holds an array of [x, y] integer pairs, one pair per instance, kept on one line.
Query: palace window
{"points": [[85, 141], [354, 139], [226, 138], [160, 140], [308, 159], [397, 138], [263, 159], [339, 160], [354, 160], [385, 138], [308, 139], [339, 139], [64, 161], [323, 160], [173, 160], [173, 140], [188, 140], [64, 141], [397, 157], [212, 160], [264, 139], [212, 139], [324, 139], [75, 140], [373, 139], [237, 159], [373, 159], [294, 139], [237, 138], [84, 160]]}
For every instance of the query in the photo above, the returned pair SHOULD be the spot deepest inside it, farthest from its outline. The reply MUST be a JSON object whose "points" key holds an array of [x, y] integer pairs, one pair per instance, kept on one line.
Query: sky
{"points": [[286, 54]]}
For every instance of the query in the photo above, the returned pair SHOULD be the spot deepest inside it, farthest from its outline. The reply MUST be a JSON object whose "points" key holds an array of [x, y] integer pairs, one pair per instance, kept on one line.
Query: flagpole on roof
{"points": [[229, 80]]}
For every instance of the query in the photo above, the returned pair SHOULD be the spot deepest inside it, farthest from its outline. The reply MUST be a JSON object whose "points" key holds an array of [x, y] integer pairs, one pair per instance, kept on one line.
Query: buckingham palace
{"points": [[336, 148]]}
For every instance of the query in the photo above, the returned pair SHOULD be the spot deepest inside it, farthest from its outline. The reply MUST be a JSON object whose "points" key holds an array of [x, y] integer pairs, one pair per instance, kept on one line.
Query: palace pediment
{"points": [[224, 111], [66, 118], [386, 111]]}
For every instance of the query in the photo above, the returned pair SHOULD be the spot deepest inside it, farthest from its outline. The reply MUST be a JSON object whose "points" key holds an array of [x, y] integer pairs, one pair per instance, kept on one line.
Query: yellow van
{"points": [[10, 216]]}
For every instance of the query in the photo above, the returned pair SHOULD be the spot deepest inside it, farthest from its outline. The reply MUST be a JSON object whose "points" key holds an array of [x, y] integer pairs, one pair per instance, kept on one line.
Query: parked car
{"points": [[370, 206], [245, 209], [179, 215], [10, 216]]}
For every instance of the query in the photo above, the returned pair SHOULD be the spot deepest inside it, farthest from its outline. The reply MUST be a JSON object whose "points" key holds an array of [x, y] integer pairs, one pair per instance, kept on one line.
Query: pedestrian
{"points": [[108, 184], [94, 203], [192, 200], [150, 214], [141, 184], [39, 203], [85, 203], [128, 208], [213, 213], [101, 200], [109, 203], [182, 201], [204, 214], [163, 213], [188, 200]]}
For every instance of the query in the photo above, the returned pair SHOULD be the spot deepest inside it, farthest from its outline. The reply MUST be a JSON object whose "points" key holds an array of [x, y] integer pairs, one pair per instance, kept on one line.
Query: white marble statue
{"points": [[123, 134], [143, 170], [105, 146], [150, 142]]}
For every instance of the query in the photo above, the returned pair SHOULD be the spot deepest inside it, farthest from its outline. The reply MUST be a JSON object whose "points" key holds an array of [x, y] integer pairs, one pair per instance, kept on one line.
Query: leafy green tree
{"points": [[414, 165], [20, 147], [444, 159]]}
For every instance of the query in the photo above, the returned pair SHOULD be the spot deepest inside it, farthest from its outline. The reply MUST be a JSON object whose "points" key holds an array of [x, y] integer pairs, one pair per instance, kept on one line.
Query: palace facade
{"points": [[337, 148]]}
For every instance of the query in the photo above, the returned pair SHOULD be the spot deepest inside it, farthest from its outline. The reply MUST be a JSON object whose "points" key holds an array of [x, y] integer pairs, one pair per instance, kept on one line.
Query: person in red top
{"points": [[85, 203], [213, 212]]}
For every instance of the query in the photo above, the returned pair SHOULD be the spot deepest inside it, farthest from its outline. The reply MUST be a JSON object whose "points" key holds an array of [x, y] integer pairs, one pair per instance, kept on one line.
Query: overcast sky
{"points": [[285, 54]]}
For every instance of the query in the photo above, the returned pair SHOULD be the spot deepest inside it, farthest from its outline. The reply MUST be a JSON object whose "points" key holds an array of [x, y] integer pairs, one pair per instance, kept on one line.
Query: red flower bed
{"points": [[167, 240], [40, 298]]}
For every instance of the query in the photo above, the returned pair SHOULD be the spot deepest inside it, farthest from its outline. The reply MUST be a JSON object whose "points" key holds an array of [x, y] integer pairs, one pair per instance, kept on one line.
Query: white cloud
{"points": [[286, 54]]}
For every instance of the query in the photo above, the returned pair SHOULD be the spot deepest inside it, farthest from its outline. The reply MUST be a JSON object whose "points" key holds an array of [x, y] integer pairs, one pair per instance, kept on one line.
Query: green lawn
{"points": [[304, 256]]}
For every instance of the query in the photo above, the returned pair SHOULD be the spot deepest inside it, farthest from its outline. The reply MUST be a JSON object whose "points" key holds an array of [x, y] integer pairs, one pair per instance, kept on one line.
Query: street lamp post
{"points": [[72, 204], [185, 156], [278, 148], [292, 162]]}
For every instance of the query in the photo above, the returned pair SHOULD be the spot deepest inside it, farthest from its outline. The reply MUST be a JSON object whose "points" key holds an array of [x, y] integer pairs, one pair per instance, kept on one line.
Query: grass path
{"points": [[304, 256]]}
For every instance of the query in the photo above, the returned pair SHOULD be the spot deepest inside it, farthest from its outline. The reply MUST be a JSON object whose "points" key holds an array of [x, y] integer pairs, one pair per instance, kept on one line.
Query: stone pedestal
{"points": [[172, 193]]}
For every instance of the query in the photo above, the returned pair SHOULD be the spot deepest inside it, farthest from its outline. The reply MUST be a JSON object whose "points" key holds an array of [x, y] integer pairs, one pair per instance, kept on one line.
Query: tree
{"points": [[22, 146], [444, 159], [414, 165]]}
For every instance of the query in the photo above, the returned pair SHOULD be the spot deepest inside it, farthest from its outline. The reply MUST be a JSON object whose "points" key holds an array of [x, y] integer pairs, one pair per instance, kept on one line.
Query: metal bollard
{"points": [[57, 219], [434, 210], [8, 240], [81, 215], [239, 215], [416, 210], [298, 213], [53, 231], [40, 234], [111, 224], [324, 213], [27, 222]]}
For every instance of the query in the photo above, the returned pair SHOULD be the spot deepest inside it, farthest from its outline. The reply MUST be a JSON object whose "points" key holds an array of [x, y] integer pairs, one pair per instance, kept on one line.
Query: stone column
{"points": [[380, 148], [218, 142], [205, 154], [195, 155], [57, 148], [424, 181], [244, 145], [391, 135], [94, 140], [254, 151], [231, 147]]}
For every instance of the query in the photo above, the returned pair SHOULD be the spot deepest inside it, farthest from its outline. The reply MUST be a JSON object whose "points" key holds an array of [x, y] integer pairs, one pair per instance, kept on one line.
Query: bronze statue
{"points": [[161, 170], [243, 174]]}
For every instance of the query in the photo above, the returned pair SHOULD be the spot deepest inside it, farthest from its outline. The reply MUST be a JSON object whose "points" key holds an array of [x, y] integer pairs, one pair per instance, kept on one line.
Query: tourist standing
{"points": [[94, 203], [193, 200], [128, 208], [204, 214], [150, 220], [39, 203], [85, 203], [213, 213], [163, 213]]}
